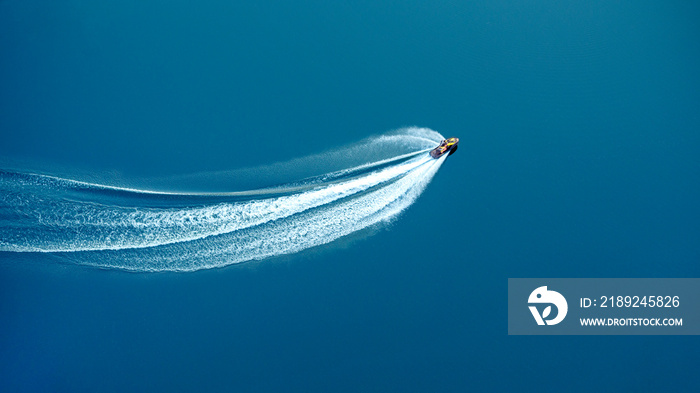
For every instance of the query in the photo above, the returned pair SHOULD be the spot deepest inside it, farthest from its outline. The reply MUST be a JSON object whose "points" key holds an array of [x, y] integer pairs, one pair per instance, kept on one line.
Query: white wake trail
{"points": [[82, 222]]}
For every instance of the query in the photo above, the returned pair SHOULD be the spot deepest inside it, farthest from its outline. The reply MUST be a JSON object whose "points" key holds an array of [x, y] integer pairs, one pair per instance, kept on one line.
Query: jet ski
{"points": [[446, 146]]}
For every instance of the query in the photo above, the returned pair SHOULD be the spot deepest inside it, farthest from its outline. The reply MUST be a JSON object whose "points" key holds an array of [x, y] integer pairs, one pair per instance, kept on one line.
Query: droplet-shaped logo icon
{"points": [[542, 296]]}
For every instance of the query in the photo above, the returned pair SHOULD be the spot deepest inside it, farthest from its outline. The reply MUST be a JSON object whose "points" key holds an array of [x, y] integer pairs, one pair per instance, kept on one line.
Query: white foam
{"points": [[188, 238]]}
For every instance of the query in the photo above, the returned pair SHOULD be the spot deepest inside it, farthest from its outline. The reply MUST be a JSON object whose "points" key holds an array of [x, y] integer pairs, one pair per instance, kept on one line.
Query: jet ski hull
{"points": [[447, 146]]}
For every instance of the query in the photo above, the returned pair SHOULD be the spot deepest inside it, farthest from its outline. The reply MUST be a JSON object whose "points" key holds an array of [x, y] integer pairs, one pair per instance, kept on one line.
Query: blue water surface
{"points": [[578, 158]]}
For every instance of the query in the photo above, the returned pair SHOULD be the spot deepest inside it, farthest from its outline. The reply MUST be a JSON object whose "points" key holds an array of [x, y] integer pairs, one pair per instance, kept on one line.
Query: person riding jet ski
{"points": [[446, 146]]}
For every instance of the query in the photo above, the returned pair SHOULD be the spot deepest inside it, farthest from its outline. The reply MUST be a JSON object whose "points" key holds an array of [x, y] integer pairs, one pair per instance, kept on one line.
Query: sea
{"points": [[236, 196]]}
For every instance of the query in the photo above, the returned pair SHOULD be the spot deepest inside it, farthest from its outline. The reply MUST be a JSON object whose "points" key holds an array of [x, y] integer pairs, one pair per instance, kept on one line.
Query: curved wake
{"points": [[143, 230]]}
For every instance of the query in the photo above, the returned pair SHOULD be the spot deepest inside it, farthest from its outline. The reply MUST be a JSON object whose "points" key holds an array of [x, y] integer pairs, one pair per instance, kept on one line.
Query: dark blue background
{"points": [[579, 158]]}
